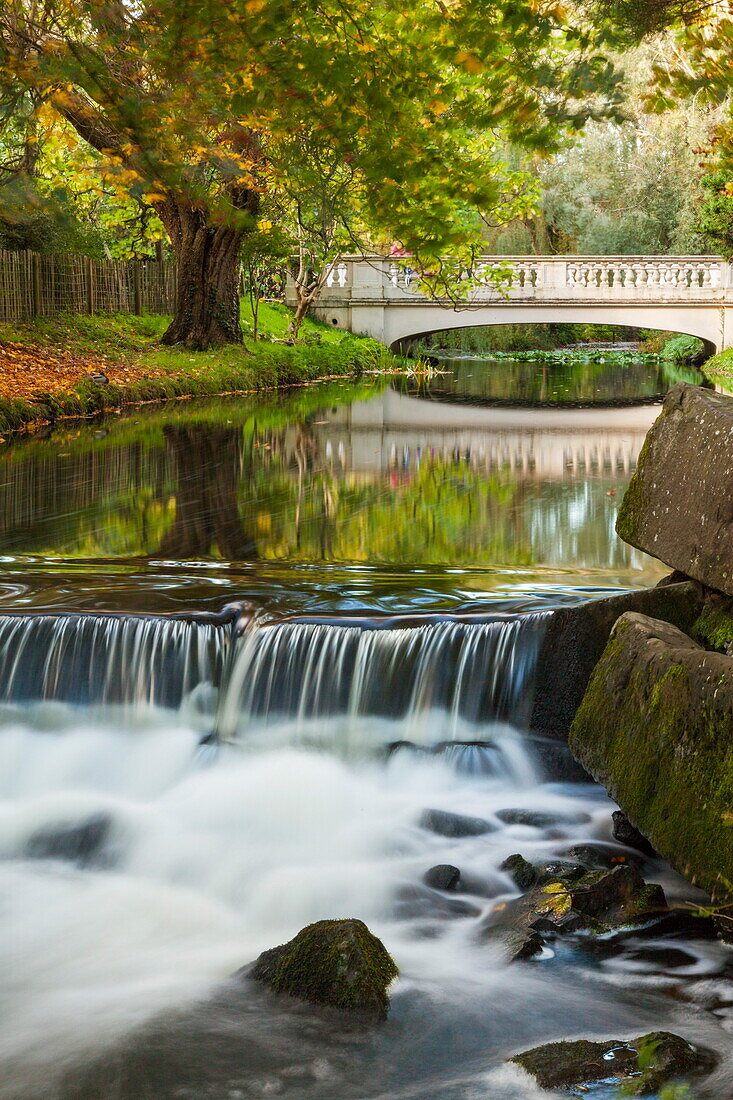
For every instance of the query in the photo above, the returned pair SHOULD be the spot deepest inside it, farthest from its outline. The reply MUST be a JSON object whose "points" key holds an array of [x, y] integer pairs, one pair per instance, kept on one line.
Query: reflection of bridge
{"points": [[395, 430], [689, 294]]}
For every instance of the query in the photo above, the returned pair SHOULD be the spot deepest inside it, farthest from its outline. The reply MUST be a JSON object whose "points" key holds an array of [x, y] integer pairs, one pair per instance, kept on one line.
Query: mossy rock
{"points": [[574, 639], [332, 962], [714, 626], [656, 729], [593, 901], [644, 1064]]}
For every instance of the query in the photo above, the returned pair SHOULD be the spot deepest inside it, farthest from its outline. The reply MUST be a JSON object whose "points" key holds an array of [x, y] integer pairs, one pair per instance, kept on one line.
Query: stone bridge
{"points": [[379, 297]]}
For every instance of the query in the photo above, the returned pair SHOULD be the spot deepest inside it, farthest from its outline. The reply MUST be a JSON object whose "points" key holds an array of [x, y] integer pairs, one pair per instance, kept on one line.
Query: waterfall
{"points": [[475, 672], [107, 659], [275, 672]]}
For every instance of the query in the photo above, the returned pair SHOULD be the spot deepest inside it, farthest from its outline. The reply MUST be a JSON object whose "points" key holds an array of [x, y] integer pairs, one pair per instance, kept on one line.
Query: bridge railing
{"points": [[654, 278]]}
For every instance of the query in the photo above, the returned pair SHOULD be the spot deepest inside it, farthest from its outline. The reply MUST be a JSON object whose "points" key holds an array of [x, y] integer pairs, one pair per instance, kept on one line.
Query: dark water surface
{"points": [[140, 868]]}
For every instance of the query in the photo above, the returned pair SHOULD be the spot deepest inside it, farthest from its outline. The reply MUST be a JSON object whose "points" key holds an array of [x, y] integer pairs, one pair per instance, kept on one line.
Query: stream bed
{"points": [[178, 794]]}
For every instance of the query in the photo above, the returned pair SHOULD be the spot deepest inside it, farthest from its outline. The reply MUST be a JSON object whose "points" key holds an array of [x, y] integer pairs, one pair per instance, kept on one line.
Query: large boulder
{"points": [[655, 727], [679, 503], [332, 962], [574, 640]]}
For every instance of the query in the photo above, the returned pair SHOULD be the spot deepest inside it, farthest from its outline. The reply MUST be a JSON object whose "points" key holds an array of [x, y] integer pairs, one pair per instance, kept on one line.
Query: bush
{"points": [[683, 349]]}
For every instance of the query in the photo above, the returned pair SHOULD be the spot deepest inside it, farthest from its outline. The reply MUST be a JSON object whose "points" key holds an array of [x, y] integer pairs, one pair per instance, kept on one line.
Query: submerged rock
{"points": [[332, 962], [443, 877], [539, 819], [81, 843], [412, 900], [648, 1062], [454, 825]]}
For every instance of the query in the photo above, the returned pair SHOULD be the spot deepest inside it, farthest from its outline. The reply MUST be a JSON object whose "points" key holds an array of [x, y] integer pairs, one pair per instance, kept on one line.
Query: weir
{"points": [[107, 659], [475, 671]]}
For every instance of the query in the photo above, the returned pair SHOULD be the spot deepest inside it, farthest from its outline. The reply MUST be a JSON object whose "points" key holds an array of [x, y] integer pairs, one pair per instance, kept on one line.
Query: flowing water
{"points": [[363, 579]]}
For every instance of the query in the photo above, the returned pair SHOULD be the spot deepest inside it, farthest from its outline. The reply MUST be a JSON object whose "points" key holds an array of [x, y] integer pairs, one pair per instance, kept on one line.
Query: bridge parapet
{"points": [[637, 278]]}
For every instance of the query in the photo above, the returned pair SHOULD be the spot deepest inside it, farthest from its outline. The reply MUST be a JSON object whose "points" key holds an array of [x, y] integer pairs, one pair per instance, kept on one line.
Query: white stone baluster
{"points": [[654, 273], [571, 275], [331, 276], [394, 274]]}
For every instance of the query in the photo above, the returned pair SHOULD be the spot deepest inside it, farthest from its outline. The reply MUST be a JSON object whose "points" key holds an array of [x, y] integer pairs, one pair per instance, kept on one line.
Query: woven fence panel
{"points": [[16, 286], [33, 285]]}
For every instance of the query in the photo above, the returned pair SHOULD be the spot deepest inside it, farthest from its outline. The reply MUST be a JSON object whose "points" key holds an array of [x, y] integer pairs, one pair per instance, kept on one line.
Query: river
{"points": [[177, 794]]}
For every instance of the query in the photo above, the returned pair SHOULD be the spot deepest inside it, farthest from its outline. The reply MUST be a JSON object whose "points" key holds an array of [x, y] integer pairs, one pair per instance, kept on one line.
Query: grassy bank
{"points": [[47, 367], [719, 369]]}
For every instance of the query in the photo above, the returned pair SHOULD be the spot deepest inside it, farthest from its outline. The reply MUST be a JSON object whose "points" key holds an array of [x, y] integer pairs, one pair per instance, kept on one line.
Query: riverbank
{"points": [[76, 365], [719, 369]]}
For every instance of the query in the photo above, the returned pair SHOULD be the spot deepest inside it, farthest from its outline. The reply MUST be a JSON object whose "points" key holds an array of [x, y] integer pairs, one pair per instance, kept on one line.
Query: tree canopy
{"points": [[199, 110]]}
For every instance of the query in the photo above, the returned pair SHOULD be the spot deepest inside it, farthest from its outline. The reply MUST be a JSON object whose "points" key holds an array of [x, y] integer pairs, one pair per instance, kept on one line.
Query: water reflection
{"points": [[389, 479], [612, 378]]}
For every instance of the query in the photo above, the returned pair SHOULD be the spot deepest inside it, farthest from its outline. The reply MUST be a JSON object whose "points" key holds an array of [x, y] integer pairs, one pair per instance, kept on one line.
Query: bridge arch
{"points": [[705, 328]]}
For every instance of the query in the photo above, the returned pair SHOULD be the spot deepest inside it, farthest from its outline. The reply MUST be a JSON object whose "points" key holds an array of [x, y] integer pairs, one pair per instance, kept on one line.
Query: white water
{"points": [[211, 854]]}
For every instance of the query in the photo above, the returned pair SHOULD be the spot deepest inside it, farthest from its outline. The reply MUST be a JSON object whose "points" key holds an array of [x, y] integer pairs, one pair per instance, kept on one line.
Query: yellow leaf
{"points": [[470, 61]]}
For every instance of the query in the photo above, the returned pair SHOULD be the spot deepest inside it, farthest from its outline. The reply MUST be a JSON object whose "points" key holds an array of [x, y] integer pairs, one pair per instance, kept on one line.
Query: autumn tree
{"points": [[195, 104]]}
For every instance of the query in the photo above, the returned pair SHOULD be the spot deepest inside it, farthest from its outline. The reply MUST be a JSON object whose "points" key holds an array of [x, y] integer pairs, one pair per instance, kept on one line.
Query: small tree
{"points": [[264, 254]]}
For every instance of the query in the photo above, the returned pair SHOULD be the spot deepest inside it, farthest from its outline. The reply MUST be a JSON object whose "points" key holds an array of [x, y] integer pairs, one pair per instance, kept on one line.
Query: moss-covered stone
{"points": [[678, 503], [577, 900], [655, 727], [332, 962], [645, 1064], [714, 626]]}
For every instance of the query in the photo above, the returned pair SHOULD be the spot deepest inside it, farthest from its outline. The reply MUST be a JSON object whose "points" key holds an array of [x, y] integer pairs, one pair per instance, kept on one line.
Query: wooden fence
{"points": [[37, 285]]}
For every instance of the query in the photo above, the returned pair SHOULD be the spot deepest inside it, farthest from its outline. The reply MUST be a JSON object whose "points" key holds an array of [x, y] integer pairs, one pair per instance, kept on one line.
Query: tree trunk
{"points": [[207, 259], [208, 464], [303, 302]]}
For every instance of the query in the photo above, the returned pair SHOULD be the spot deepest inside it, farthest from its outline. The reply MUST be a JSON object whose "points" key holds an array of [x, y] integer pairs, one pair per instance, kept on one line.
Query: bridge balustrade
{"points": [[496, 277]]}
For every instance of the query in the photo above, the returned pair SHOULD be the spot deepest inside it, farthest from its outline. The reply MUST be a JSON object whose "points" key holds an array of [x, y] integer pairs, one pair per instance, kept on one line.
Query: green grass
{"points": [[166, 373], [719, 369]]}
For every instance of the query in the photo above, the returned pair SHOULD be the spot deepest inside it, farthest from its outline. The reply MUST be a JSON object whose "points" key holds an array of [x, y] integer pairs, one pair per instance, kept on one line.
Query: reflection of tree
{"points": [[208, 466]]}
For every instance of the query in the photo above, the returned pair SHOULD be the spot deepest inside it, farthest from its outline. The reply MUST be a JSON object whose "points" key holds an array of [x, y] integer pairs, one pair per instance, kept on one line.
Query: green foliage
{"points": [[683, 349], [715, 216], [409, 107], [719, 369], [512, 338]]}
